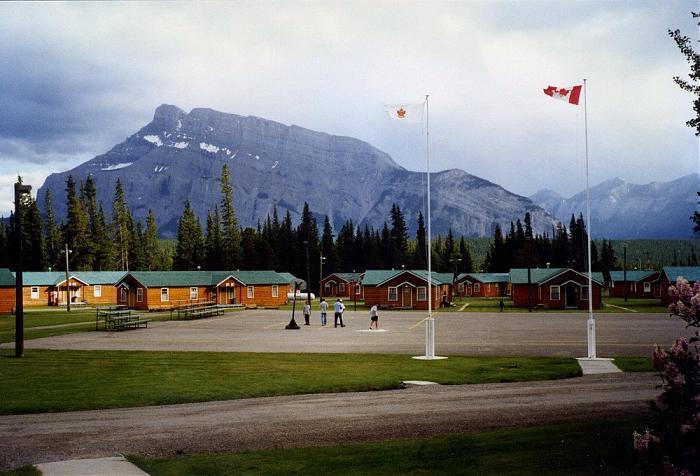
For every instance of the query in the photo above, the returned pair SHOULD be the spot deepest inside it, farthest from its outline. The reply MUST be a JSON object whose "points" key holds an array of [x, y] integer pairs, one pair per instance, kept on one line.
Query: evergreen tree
{"points": [[88, 198], [151, 248], [103, 257], [33, 231], [399, 235], [286, 246], [213, 248], [249, 249], [121, 228], [467, 263], [137, 259], [346, 246], [449, 256], [308, 231], [328, 249], [230, 238], [4, 245], [386, 248], [53, 238], [76, 231], [190, 242], [421, 255]]}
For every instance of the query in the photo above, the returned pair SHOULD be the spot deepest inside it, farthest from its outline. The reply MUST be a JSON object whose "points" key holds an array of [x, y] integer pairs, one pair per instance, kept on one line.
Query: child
{"points": [[374, 318]]}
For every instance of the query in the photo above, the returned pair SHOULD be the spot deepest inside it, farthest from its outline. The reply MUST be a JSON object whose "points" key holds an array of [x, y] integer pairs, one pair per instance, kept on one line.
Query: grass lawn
{"points": [[490, 304], [597, 447], [639, 305], [53, 381], [634, 364], [47, 322]]}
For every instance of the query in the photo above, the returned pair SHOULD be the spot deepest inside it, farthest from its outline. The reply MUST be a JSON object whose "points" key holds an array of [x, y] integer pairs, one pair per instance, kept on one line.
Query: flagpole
{"points": [[591, 320], [429, 322]]}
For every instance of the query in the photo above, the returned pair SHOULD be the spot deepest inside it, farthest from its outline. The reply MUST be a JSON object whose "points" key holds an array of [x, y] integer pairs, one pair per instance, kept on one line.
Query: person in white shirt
{"points": [[324, 311], [339, 307], [307, 313], [374, 318]]}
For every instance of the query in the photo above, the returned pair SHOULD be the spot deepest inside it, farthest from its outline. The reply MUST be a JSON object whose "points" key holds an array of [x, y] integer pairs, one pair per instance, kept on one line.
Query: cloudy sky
{"points": [[77, 78]]}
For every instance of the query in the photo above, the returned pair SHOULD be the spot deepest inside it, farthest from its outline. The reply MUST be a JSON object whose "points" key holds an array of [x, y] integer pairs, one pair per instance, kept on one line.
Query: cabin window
{"points": [[584, 293], [554, 293], [275, 291], [97, 290], [194, 293], [634, 287], [460, 287], [139, 295], [328, 287], [164, 295], [477, 287], [35, 292], [341, 287], [251, 292], [647, 287], [122, 295], [393, 293], [421, 294], [358, 289]]}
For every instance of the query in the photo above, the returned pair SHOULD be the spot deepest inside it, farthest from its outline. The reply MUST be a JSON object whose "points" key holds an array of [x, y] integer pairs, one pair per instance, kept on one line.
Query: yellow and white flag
{"points": [[405, 112]]}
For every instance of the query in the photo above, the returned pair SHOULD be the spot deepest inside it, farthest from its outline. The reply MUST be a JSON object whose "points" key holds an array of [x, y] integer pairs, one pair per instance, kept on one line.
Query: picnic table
{"points": [[118, 318]]}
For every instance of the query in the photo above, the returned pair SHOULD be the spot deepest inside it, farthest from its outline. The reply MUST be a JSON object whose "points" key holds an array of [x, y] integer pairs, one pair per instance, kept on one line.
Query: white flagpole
{"points": [[429, 322], [591, 320]]}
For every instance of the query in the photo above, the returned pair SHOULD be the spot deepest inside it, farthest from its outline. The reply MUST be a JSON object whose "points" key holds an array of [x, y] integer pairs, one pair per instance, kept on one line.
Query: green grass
{"points": [[634, 364], [598, 447], [53, 381], [639, 305], [27, 470]]}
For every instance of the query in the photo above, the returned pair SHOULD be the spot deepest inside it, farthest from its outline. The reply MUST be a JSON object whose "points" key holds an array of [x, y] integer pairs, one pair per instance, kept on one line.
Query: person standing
{"points": [[307, 313], [501, 305], [339, 307], [324, 311], [374, 318]]}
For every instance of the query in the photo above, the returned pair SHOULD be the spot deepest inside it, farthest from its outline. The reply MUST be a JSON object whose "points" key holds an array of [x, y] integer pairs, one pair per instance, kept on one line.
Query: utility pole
{"points": [[67, 283], [624, 267], [320, 276], [308, 273], [19, 298]]}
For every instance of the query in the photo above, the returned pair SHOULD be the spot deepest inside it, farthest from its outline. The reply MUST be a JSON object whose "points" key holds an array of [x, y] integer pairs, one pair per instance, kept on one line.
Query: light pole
{"points": [[624, 267], [308, 273], [320, 276], [67, 283], [19, 298], [454, 261]]}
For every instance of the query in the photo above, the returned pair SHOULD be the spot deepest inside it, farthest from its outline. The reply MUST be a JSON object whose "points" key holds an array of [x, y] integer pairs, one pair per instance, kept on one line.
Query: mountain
{"points": [[179, 155], [620, 209]]}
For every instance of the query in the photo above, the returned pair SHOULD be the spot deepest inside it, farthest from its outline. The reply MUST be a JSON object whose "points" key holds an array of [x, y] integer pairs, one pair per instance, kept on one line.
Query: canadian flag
{"points": [[570, 94]]}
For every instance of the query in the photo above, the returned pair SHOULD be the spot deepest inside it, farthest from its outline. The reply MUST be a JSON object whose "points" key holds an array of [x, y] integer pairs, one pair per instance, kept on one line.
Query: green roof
{"points": [[205, 278], [691, 273], [348, 277], [51, 278], [487, 277], [632, 275], [288, 277], [541, 275], [373, 277], [7, 278]]}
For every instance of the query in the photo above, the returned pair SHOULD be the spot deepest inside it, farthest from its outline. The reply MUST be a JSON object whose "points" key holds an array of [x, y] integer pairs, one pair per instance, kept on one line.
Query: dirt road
{"points": [[317, 419]]}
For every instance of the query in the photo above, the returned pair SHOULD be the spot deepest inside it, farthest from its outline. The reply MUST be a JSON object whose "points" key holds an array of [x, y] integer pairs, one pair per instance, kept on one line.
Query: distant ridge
{"points": [[622, 210], [179, 156]]}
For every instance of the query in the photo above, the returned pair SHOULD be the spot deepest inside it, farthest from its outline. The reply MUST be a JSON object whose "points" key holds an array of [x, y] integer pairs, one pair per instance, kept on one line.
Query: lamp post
{"points": [[320, 276], [19, 298], [67, 282], [293, 324], [308, 273], [624, 267]]}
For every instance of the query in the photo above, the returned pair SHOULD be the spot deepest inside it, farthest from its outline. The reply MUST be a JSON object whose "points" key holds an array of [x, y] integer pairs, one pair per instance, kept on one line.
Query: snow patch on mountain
{"points": [[209, 147], [117, 166], [153, 140], [180, 145]]}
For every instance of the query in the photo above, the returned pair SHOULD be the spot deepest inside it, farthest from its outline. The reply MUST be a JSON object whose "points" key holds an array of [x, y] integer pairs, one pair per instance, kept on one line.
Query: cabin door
{"points": [[406, 296], [570, 296]]}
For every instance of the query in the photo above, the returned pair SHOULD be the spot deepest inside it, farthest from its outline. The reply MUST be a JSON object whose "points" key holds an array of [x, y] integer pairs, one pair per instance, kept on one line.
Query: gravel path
{"points": [[323, 419]]}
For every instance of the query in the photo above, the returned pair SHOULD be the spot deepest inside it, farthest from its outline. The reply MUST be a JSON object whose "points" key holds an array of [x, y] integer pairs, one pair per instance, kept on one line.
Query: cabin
{"points": [[638, 284], [153, 290], [555, 288], [48, 288], [670, 274], [404, 289], [342, 285], [483, 285], [289, 278], [7, 291]]}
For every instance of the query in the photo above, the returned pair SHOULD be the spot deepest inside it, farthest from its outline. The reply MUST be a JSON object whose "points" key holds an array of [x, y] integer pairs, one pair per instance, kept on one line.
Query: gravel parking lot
{"points": [[537, 333]]}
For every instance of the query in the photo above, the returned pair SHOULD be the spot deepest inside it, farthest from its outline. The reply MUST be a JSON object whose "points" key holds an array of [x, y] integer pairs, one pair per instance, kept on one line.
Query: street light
{"points": [[67, 283], [19, 298], [320, 276], [308, 273]]}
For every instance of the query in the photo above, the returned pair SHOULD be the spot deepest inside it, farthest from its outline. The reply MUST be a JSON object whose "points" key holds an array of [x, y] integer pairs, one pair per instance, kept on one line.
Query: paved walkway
{"points": [[322, 419], [112, 466]]}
